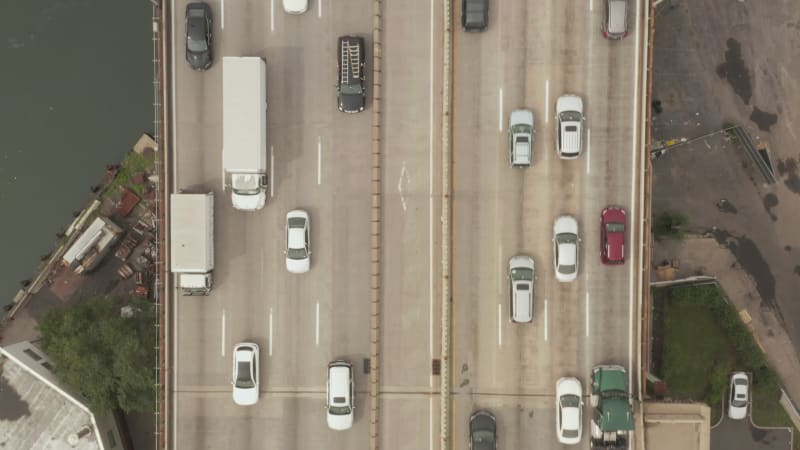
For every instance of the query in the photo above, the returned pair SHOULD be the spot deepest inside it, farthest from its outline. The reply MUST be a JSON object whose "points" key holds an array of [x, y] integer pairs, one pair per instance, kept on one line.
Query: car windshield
{"points": [[339, 410], [614, 227], [570, 116], [243, 380], [483, 436], [246, 185], [351, 89], [570, 401], [297, 253], [569, 433]]}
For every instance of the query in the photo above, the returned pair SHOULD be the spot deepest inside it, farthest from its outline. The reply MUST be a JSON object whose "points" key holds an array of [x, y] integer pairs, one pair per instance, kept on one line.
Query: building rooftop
{"points": [[36, 414]]}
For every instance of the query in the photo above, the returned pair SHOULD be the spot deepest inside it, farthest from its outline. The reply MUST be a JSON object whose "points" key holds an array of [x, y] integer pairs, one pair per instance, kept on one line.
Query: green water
{"points": [[75, 94]]}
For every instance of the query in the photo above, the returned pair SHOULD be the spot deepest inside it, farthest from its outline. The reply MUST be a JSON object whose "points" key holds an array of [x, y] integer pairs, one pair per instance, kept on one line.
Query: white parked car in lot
{"points": [[569, 406], [565, 248], [298, 253], [739, 393], [520, 136], [245, 374], [295, 6], [569, 126]]}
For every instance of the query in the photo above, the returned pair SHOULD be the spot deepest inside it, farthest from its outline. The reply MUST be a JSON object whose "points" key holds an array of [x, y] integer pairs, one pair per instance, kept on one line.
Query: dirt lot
{"points": [[732, 61]]}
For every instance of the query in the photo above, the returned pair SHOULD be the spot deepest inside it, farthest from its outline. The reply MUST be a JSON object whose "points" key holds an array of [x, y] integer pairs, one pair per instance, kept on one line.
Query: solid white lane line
{"points": [[546, 101], [430, 419], [173, 397], [270, 332], [499, 324], [430, 198], [545, 320], [403, 174], [319, 160], [319, 8], [500, 112], [587, 314], [588, 150], [222, 335], [222, 15], [271, 174], [317, 335], [271, 15]]}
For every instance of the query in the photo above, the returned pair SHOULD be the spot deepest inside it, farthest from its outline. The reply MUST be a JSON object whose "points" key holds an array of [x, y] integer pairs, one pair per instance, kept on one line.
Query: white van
{"points": [[340, 398]]}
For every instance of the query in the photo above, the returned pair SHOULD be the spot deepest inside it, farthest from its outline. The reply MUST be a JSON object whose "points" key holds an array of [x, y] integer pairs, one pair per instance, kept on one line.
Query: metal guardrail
{"points": [[761, 160]]}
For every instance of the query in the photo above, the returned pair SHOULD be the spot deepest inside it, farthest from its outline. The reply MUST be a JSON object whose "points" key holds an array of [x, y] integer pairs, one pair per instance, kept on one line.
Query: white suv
{"points": [[520, 277], [340, 395], [569, 123]]}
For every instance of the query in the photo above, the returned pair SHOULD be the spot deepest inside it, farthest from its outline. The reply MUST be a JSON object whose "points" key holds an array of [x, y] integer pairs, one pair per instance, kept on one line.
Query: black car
{"points": [[474, 14], [351, 82], [482, 431], [198, 36]]}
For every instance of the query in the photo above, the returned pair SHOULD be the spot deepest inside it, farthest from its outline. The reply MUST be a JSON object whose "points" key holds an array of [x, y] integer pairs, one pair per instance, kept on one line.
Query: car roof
{"points": [[567, 254], [616, 16], [339, 383]]}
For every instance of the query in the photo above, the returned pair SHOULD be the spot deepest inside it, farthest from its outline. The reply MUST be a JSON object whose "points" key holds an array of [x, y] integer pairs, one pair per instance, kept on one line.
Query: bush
{"points": [[670, 225]]}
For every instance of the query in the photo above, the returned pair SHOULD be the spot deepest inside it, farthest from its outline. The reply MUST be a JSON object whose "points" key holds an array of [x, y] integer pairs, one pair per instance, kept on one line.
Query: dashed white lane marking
{"points": [[317, 335], [319, 160], [271, 172], [222, 15], [587, 314], [546, 101], [588, 150], [222, 335], [319, 8], [271, 15], [499, 324], [270, 332], [403, 177], [500, 112], [545, 320]]}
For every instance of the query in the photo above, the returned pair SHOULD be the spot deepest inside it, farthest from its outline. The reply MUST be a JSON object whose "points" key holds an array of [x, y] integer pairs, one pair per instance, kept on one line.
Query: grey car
{"points": [[198, 36], [482, 431], [475, 15]]}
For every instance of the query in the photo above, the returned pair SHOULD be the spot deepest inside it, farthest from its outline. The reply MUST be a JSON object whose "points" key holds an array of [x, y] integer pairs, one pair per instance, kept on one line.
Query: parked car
{"points": [[612, 235], [569, 126], [198, 35], [474, 15], [298, 242], [245, 374], [565, 248], [295, 6], [482, 431], [351, 80], [569, 406], [615, 19], [739, 393], [340, 395], [520, 280], [520, 138]]}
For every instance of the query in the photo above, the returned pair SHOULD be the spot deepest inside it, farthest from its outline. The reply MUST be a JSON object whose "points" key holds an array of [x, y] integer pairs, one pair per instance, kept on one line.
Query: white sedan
{"points": [[739, 389], [295, 6], [298, 253], [245, 374], [569, 404], [565, 248]]}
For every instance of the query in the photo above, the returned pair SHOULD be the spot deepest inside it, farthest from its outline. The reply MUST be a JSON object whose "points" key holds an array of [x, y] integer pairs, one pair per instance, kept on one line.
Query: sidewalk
{"points": [[705, 256]]}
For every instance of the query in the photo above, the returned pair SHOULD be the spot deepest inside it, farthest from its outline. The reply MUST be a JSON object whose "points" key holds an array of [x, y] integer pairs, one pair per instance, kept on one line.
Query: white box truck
{"points": [[244, 130], [192, 241]]}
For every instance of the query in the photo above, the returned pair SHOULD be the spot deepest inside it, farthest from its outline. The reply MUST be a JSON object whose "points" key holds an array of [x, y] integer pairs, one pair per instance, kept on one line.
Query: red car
{"points": [[612, 235]]}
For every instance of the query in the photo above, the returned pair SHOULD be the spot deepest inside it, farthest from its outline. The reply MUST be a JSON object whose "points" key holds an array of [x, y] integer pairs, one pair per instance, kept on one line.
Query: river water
{"points": [[75, 94]]}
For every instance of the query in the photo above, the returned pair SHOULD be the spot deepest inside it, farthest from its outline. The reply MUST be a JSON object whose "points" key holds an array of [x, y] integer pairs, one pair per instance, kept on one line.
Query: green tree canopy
{"points": [[670, 225], [107, 358]]}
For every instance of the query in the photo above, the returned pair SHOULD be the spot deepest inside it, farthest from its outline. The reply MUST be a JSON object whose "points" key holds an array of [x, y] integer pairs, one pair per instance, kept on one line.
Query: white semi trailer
{"points": [[192, 241], [244, 130]]}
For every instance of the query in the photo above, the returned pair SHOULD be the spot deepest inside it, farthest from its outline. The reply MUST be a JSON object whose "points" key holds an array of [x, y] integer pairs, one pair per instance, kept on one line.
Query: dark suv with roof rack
{"points": [[351, 83]]}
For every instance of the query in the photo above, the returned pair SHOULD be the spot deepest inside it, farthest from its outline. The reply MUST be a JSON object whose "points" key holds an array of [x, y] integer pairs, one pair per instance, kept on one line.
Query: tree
{"points": [[106, 358], [670, 225]]}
